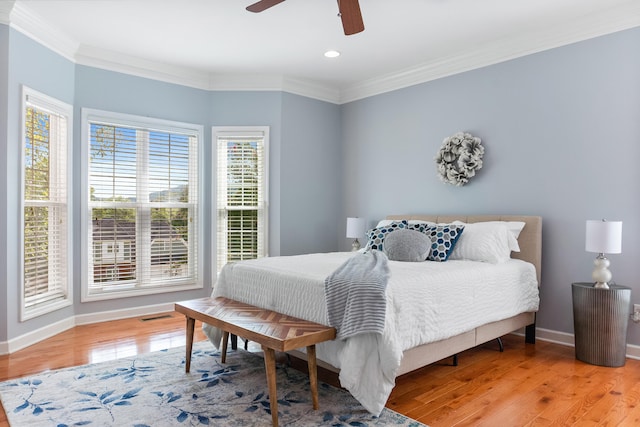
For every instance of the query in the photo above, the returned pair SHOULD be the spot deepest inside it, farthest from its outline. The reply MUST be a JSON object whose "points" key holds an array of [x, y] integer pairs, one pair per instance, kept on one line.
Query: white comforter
{"points": [[426, 302]]}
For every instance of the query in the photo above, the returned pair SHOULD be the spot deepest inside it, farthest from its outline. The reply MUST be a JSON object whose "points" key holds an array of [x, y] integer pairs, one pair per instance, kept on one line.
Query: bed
{"points": [[427, 317]]}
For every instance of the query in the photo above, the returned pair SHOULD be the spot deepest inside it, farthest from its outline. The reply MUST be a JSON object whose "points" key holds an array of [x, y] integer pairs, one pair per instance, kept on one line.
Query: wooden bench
{"points": [[274, 331]]}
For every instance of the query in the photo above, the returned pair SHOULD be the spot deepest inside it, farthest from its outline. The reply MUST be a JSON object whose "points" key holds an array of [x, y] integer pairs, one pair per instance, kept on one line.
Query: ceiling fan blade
{"points": [[262, 5], [351, 16]]}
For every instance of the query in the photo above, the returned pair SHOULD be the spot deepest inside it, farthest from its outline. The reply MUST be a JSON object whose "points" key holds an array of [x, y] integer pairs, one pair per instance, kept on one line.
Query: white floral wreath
{"points": [[459, 158]]}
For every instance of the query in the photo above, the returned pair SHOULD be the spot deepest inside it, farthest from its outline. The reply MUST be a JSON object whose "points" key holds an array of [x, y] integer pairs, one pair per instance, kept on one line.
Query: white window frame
{"points": [[89, 290], [220, 224], [61, 169]]}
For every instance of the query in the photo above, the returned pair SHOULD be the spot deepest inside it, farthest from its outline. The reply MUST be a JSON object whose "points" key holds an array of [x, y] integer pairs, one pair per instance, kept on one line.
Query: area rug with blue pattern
{"points": [[153, 390]]}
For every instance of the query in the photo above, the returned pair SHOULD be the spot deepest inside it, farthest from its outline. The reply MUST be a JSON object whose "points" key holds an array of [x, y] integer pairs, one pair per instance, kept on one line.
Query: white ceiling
{"points": [[217, 44]]}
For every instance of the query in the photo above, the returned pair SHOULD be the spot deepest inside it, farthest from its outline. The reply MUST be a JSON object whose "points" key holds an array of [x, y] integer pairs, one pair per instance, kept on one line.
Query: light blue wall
{"points": [[27, 62], [4, 145], [311, 176], [561, 131]]}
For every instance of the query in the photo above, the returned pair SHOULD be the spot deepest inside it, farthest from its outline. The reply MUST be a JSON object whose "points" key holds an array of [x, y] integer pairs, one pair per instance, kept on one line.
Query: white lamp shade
{"points": [[355, 227], [604, 237]]}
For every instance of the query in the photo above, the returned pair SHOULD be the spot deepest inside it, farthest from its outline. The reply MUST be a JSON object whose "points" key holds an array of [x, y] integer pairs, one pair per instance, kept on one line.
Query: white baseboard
{"points": [[105, 316], [633, 351], [556, 337], [34, 337], [563, 338]]}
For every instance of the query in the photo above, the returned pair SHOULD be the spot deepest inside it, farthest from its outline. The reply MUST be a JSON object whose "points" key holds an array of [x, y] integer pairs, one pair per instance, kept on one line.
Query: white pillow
{"points": [[514, 226], [491, 241]]}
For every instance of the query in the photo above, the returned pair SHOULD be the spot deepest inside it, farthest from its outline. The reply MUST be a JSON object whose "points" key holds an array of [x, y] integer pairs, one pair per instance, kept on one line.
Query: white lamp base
{"points": [[601, 274], [355, 246]]}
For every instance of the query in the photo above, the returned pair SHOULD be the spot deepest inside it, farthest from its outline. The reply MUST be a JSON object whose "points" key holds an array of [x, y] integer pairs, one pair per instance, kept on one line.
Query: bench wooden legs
{"points": [[191, 323], [269, 364], [313, 374], [225, 341], [270, 367]]}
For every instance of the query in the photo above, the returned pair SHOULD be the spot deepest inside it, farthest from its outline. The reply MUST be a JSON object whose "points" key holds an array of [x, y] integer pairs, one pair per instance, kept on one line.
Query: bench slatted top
{"points": [[269, 328]]}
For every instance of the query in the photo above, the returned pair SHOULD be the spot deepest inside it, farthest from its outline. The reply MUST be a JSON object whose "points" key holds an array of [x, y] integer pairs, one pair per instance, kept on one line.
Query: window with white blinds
{"points": [[241, 193], [143, 204], [46, 260]]}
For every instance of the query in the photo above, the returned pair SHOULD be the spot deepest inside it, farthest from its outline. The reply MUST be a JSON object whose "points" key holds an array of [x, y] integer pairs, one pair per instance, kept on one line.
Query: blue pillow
{"points": [[420, 226], [375, 236], [443, 240]]}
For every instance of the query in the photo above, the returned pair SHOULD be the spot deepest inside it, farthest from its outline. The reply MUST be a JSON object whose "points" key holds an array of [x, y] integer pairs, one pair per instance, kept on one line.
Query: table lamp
{"points": [[355, 229], [603, 237]]}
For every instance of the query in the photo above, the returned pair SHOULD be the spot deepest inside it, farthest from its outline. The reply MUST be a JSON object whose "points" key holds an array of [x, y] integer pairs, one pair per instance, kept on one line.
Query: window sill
{"points": [[116, 294]]}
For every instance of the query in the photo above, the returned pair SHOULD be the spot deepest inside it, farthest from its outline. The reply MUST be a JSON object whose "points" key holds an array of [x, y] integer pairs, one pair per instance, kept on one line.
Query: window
{"points": [[142, 205], [46, 269], [241, 193]]}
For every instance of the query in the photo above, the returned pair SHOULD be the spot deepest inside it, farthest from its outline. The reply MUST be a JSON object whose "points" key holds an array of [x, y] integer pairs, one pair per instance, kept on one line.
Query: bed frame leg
{"points": [[530, 334], [455, 360], [500, 344], [234, 342]]}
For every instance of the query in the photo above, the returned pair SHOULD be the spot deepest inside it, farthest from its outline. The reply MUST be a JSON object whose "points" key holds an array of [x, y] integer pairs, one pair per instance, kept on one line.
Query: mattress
{"points": [[426, 302]]}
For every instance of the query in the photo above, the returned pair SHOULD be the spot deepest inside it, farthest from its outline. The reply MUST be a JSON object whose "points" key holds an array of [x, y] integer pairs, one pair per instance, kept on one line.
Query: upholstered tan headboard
{"points": [[530, 239]]}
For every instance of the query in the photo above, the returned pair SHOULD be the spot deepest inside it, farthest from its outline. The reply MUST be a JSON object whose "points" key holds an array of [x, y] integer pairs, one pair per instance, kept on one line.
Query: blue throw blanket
{"points": [[355, 294]]}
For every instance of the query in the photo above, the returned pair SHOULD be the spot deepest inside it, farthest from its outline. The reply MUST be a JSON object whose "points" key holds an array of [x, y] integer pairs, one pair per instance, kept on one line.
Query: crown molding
{"points": [[114, 61], [612, 20], [42, 32], [5, 11], [274, 82], [120, 63], [311, 89]]}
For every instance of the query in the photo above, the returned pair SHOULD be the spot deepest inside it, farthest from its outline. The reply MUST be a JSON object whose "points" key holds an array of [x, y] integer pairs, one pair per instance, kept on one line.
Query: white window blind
{"points": [[143, 183], [46, 260], [241, 194]]}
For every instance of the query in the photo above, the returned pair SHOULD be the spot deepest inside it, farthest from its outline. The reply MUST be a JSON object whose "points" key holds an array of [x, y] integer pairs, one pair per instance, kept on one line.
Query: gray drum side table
{"points": [[600, 320]]}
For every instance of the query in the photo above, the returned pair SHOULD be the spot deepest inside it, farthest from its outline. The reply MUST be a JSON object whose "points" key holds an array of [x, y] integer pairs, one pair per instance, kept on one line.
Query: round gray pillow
{"points": [[407, 245]]}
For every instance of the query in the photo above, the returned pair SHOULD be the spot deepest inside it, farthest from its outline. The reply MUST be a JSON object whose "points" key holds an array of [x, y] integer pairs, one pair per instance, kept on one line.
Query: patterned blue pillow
{"points": [[420, 226], [443, 240], [375, 236]]}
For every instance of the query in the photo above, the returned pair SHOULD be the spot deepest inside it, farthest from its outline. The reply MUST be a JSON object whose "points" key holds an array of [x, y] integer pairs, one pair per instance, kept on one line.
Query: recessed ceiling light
{"points": [[332, 54]]}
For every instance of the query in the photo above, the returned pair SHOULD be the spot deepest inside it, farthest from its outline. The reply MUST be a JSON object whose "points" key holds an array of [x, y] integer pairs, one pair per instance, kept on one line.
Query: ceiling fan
{"points": [[348, 10]]}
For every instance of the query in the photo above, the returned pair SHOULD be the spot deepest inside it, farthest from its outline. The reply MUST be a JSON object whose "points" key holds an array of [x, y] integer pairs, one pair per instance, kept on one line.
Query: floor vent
{"points": [[162, 316]]}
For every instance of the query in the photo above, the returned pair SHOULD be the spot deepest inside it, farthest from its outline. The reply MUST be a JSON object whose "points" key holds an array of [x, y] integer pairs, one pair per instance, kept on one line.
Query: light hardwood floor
{"points": [[526, 385]]}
